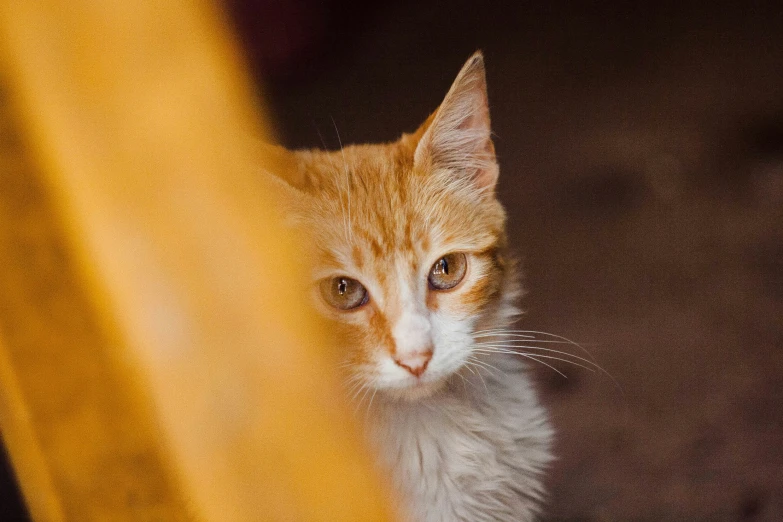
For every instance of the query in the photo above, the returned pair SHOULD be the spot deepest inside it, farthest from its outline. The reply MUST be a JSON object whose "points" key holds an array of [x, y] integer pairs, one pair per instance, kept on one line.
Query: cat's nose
{"points": [[415, 363]]}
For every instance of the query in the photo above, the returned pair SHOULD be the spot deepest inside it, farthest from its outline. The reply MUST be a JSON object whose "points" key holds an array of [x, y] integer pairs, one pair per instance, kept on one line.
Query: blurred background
{"points": [[641, 153]]}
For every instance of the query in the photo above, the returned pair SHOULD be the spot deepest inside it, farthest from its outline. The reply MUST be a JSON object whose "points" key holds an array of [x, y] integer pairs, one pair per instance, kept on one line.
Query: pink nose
{"points": [[415, 363]]}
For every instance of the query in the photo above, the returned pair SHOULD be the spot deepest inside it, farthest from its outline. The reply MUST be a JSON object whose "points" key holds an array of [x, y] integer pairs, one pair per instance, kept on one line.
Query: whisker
{"points": [[361, 399], [356, 391], [560, 337], [529, 336], [496, 331], [478, 373], [467, 367], [484, 364], [369, 405], [320, 135], [526, 354], [464, 382], [353, 386], [478, 367], [352, 381], [526, 338], [545, 364], [354, 399], [357, 388], [347, 179], [510, 345]]}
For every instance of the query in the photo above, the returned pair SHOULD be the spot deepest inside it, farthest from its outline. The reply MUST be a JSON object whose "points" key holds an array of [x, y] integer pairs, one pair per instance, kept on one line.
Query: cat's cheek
{"points": [[453, 341], [480, 293], [446, 301], [452, 305]]}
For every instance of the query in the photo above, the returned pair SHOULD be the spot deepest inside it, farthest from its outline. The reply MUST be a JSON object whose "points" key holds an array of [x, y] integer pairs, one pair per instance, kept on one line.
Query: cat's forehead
{"points": [[372, 209], [374, 169], [383, 204], [374, 185]]}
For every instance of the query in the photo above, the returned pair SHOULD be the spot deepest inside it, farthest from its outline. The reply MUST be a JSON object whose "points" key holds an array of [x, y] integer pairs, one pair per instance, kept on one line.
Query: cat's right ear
{"points": [[456, 139]]}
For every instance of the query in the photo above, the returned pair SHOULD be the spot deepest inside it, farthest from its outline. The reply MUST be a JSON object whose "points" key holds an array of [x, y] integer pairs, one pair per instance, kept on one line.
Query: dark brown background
{"points": [[641, 151]]}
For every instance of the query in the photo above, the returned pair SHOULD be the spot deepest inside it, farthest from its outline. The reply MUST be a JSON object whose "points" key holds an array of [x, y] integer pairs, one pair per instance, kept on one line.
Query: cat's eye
{"points": [[344, 293], [448, 271]]}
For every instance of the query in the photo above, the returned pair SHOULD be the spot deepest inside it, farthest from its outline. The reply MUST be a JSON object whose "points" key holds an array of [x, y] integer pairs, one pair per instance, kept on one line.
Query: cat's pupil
{"points": [[343, 293], [443, 266]]}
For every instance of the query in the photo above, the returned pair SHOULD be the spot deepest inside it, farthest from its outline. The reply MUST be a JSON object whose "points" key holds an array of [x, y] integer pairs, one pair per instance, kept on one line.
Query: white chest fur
{"points": [[473, 452]]}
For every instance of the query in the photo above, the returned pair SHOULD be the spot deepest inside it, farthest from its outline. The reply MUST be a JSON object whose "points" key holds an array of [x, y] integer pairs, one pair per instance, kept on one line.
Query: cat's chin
{"points": [[416, 391]]}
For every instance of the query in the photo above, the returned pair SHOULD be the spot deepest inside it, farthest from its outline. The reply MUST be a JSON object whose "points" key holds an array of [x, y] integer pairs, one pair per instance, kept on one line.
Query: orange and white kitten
{"points": [[411, 264]]}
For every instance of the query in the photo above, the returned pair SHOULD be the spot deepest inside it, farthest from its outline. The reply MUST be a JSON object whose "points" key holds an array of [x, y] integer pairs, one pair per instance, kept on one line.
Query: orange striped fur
{"points": [[384, 216]]}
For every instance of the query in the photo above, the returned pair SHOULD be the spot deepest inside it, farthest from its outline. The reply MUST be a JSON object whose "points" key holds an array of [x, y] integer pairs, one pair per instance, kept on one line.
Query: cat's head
{"points": [[408, 242]]}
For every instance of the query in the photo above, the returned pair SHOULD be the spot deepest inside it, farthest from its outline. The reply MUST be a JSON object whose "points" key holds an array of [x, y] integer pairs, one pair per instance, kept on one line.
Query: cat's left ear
{"points": [[280, 174], [458, 136]]}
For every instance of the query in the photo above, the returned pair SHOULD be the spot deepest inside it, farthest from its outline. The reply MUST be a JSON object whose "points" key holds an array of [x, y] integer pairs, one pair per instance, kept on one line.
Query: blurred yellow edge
{"points": [[142, 122], [19, 436]]}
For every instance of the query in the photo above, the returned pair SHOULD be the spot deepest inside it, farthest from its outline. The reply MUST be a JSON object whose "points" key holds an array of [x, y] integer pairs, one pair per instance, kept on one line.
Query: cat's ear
{"points": [[280, 163], [457, 137], [282, 176]]}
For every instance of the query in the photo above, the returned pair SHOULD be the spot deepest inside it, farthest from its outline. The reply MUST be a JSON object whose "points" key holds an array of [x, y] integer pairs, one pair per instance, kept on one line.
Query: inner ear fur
{"points": [[457, 137]]}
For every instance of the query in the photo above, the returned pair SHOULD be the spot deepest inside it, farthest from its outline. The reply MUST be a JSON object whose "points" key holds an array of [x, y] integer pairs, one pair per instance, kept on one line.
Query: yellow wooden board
{"points": [[157, 359]]}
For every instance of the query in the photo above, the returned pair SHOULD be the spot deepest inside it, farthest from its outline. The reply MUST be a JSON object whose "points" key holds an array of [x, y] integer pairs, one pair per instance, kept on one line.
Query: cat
{"points": [[411, 266]]}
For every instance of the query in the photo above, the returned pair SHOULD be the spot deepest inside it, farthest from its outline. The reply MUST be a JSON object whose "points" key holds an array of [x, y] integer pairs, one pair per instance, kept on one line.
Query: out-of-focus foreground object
{"points": [[155, 359]]}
